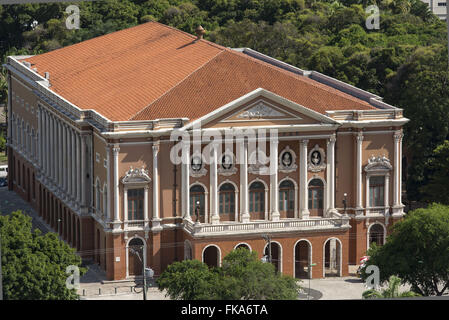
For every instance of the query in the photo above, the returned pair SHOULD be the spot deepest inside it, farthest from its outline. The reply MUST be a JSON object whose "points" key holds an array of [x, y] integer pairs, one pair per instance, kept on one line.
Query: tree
{"points": [[417, 251], [34, 265], [242, 276], [391, 292], [438, 165]]}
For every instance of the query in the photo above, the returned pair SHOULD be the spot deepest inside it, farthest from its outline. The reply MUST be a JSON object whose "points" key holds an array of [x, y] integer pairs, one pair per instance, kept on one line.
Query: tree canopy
{"points": [[242, 276], [34, 265], [405, 61], [417, 251]]}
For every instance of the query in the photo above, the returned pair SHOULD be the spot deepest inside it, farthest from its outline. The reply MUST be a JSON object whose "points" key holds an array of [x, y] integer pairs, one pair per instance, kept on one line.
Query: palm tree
{"points": [[391, 292]]}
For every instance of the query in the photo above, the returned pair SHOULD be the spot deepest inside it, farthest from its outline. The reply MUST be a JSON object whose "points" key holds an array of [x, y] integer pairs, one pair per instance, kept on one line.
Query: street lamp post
{"points": [[197, 212], [345, 202], [146, 272], [267, 238], [310, 276]]}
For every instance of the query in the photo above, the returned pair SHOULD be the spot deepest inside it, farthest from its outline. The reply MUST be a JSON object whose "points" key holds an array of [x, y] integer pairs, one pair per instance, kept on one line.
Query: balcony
{"points": [[256, 227], [377, 211]]}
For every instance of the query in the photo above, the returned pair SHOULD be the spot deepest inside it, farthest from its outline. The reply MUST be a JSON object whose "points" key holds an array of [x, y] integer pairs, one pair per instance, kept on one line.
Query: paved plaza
{"points": [[94, 285]]}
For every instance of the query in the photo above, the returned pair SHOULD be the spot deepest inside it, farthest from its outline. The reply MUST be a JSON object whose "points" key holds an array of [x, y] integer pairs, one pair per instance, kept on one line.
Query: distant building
{"points": [[90, 146], [438, 7]]}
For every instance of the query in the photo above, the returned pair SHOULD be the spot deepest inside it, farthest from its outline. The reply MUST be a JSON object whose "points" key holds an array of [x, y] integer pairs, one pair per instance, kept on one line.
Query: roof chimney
{"points": [[47, 75], [200, 32]]}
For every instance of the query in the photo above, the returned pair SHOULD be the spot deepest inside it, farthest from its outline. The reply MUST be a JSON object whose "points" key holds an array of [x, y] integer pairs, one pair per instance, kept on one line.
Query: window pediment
{"points": [[136, 176], [378, 164]]}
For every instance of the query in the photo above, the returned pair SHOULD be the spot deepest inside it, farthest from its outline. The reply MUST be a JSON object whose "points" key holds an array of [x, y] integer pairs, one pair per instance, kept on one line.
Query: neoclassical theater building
{"points": [[90, 146]]}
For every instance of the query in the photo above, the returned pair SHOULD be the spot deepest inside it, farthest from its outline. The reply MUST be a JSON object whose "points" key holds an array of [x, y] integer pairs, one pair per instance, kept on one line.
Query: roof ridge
{"points": [[175, 86]]}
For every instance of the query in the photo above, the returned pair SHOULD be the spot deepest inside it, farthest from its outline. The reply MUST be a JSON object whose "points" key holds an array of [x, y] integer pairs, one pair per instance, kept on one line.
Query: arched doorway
{"points": [[197, 202], [303, 256], [316, 191], [135, 249], [243, 245], [287, 199], [276, 255], [211, 256], [332, 258], [376, 234]]}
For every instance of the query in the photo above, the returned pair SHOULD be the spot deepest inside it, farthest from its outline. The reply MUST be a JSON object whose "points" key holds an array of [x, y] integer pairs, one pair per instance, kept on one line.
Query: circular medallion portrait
{"points": [[316, 158], [226, 161], [196, 163], [287, 159]]}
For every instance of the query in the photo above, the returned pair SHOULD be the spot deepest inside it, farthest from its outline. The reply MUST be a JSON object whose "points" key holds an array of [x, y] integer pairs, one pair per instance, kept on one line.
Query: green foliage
{"points": [[33, 264], [405, 61], [2, 142], [242, 276], [392, 291], [438, 165], [417, 251]]}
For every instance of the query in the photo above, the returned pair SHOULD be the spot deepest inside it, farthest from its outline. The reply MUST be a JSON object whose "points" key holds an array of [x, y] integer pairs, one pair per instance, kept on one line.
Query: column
{"points": [[215, 218], [69, 163], [243, 145], [397, 201], [359, 207], [115, 152], [303, 187], [78, 168], [186, 180], [387, 194], [156, 220], [60, 164], [108, 173], [40, 142], [83, 170], [52, 151], [73, 166], [145, 203], [64, 158], [274, 188], [330, 192]]}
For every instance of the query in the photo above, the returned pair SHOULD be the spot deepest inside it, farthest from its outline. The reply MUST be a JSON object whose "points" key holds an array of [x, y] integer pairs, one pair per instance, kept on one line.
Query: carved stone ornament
{"points": [[316, 161], [287, 160], [227, 164], [197, 168], [136, 176], [259, 111], [378, 164]]}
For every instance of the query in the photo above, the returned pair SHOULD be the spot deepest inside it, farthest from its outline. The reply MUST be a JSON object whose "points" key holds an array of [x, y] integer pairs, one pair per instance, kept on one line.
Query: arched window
{"points": [[97, 196], [316, 190], [197, 200], [105, 200], [287, 198], [376, 234], [227, 199], [257, 197]]}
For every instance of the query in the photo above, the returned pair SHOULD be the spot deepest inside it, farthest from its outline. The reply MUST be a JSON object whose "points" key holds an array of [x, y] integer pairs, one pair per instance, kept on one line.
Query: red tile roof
{"points": [[154, 71]]}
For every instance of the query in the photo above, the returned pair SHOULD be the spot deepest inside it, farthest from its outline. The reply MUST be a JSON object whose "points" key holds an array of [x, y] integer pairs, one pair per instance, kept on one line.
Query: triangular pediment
{"points": [[261, 108]]}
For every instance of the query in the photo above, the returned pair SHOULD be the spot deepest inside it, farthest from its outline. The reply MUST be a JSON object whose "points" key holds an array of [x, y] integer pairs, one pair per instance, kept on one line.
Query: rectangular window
{"points": [[135, 204], [97, 157], [376, 191], [226, 202]]}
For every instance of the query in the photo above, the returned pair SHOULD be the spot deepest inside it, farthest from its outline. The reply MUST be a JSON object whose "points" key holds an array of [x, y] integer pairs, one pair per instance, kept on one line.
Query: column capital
{"points": [[398, 135], [304, 141], [115, 150], [360, 136], [332, 139], [155, 147]]}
